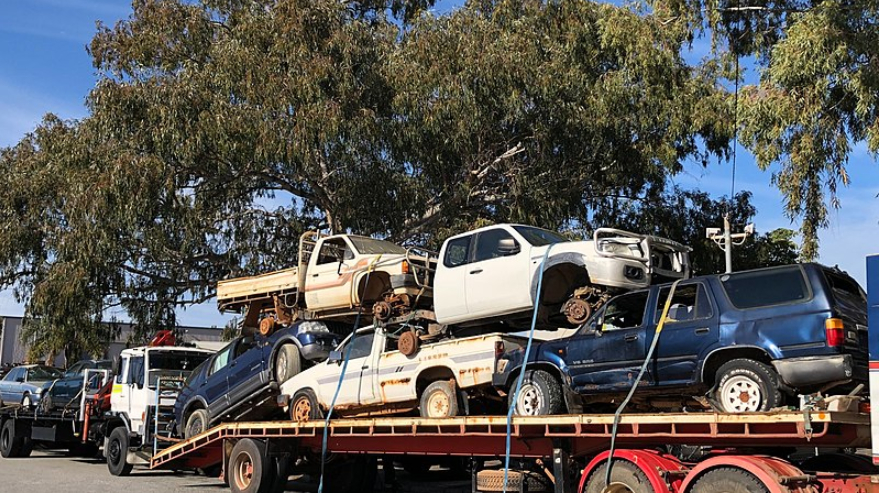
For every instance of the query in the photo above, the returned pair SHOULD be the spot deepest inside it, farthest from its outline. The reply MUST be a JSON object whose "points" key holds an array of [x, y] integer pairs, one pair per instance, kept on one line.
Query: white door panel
{"points": [[450, 295]]}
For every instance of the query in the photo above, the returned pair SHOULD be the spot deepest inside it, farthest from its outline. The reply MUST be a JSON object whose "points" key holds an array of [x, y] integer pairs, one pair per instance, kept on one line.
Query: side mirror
{"points": [[335, 357], [508, 247]]}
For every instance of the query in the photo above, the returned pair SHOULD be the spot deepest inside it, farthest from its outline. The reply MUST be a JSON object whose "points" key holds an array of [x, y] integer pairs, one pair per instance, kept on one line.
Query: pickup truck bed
{"points": [[236, 291]]}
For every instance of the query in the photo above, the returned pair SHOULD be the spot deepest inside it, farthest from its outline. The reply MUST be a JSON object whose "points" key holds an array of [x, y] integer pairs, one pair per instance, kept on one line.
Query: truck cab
{"points": [[492, 273], [135, 395]]}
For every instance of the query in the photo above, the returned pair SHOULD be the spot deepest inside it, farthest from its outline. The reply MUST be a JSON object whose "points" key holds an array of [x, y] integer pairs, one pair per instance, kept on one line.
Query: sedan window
{"points": [[489, 244], [625, 311], [42, 374]]}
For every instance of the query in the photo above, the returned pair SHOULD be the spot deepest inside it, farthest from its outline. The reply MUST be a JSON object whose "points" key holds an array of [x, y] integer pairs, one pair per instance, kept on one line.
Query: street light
{"points": [[725, 240]]}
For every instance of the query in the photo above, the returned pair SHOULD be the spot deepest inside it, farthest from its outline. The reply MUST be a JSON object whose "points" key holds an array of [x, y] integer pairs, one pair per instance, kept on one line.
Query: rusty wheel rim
{"points": [[244, 471], [302, 410], [407, 343], [438, 405], [577, 311]]}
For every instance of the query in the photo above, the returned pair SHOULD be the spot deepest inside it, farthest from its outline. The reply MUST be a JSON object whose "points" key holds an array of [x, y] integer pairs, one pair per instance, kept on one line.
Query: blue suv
{"points": [[738, 342], [241, 380]]}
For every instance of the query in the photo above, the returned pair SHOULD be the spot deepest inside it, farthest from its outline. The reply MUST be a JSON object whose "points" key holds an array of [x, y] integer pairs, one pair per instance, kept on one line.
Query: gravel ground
{"points": [[50, 471]]}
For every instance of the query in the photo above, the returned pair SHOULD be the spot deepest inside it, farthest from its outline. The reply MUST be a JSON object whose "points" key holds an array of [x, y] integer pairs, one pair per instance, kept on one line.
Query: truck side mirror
{"points": [[335, 357], [508, 247]]}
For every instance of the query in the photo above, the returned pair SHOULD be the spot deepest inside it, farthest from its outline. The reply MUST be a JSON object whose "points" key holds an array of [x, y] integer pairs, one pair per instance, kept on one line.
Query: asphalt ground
{"points": [[53, 471]]}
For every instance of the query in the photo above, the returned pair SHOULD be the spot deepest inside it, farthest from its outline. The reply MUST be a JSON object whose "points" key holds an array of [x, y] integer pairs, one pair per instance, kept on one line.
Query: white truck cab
{"points": [[492, 273], [134, 395]]}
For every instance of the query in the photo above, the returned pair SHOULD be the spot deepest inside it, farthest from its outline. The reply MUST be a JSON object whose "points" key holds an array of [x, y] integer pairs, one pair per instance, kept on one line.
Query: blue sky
{"points": [[44, 68]]}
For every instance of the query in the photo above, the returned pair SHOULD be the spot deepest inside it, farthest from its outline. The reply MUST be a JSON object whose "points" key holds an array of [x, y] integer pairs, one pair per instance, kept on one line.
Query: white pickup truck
{"points": [[491, 274], [441, 379], [335, 276]]}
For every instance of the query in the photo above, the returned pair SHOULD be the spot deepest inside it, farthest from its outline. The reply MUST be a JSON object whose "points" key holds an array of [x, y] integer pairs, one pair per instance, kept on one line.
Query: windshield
{"points": [[173, 364], [539, 236], [43, 374], [366, 245]]}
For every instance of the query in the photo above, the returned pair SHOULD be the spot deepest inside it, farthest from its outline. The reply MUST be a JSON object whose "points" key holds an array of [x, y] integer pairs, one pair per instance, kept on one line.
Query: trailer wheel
{"points": [[517, 481], [727, 479], [280, 474], [439, 400], [745, 385], [196, 423], [249, 469], [540, 395], [10, 446], [625, 477], [288, 363], [117, 453], [304, 407]]}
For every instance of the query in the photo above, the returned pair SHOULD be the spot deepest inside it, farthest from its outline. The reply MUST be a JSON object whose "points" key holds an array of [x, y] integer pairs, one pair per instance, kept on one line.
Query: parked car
{"points": [[24, 384], [746, 340], [241, 380], [65, 392]]}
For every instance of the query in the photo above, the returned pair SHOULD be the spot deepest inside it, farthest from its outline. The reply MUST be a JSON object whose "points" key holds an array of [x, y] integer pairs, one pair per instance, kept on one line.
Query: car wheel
{"points": [[439, 400], [196, 424], [117, 453], [540, 395], [26, 401], [304, 407], [46, 403], [288, 363], [745, 385]]}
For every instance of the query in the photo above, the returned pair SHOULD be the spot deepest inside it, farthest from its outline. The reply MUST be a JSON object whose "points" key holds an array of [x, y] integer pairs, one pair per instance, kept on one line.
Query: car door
{"points": [[690, 330], [354, 387], [450, 297], [11, 385], [245, 369], [497, 281], [328, 280], [606, 355], [66, 388], [216, 386]]}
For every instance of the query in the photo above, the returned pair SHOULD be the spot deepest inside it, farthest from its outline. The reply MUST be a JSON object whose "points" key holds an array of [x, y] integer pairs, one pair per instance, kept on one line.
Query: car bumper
{"points": [[806, 372]]}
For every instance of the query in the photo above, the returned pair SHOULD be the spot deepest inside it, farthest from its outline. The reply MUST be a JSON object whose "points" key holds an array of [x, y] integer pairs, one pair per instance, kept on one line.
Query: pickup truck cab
{"points": [[745, 340], [491, 274], [438, 380], [335, 277]]}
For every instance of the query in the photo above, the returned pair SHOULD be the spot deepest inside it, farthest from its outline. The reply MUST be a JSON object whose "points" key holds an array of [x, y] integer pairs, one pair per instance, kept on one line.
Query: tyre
{"points": [[10, 446], [196, 423], [304, 407], [517, 481], [288, 363], [744, 385], [280, 474], [625, 477], [117, 453], [439, 400], [26, 401], [248, 469], [540, 395], [726, 479], [350, 474]]}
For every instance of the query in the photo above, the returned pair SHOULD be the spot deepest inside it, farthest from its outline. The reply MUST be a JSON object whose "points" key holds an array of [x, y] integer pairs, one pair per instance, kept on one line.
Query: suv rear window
{"points": [[848, 295], [766, 287]]}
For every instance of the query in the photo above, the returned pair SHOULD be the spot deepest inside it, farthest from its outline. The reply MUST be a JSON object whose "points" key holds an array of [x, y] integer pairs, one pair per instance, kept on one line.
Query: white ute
{"points": [[491, 274], [440, 379]]}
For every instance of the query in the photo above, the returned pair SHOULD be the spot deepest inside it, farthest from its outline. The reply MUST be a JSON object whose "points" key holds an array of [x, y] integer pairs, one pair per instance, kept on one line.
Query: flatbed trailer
{"points": [[752, 447]]}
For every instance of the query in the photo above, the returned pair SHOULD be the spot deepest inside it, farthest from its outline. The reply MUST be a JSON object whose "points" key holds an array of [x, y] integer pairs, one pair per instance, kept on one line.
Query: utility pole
{"points": [[725, 240]]}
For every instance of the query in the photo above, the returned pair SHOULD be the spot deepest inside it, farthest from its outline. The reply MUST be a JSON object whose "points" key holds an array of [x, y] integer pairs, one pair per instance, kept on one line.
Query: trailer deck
{"points": [[531, 436]]}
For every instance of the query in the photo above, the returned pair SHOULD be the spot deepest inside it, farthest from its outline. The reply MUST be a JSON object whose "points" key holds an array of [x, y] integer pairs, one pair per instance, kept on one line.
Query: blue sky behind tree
{"points": [[44, 67]]}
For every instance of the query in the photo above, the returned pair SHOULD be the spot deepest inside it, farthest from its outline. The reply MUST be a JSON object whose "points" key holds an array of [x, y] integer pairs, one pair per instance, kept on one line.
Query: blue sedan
{"points": [[24, 384], [241, 381]]}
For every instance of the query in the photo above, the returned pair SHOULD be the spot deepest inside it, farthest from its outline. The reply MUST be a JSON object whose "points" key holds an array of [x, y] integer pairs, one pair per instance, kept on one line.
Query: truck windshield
{"points": [[366, 245], [173, 364], [539, 236]]}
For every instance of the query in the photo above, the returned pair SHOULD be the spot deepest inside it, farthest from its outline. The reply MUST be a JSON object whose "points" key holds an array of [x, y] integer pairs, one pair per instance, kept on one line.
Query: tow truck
{"points": [[811, 449], [126, 416]]}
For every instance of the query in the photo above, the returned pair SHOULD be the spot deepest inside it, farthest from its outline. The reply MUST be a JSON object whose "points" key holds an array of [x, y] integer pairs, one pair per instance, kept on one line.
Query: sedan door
{"points": [[246, 370], [607, 354]]}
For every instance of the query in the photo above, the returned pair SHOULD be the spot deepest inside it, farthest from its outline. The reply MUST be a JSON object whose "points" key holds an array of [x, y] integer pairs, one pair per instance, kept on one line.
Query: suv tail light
{"points": [[834, 331]]}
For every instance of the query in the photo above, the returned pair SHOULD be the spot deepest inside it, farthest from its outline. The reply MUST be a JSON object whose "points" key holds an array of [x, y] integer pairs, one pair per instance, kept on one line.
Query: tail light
{"points": [[865, 407], [499, 349], [404, 267], [834, 331]]}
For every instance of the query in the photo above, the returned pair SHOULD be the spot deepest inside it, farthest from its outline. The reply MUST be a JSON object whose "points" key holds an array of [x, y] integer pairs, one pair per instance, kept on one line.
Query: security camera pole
{"points": [[726, 240]]}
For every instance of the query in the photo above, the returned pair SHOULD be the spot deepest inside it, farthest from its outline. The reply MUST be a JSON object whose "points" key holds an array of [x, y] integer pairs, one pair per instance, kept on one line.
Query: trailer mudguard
{"points": [[653, 464], [774, 473]]}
